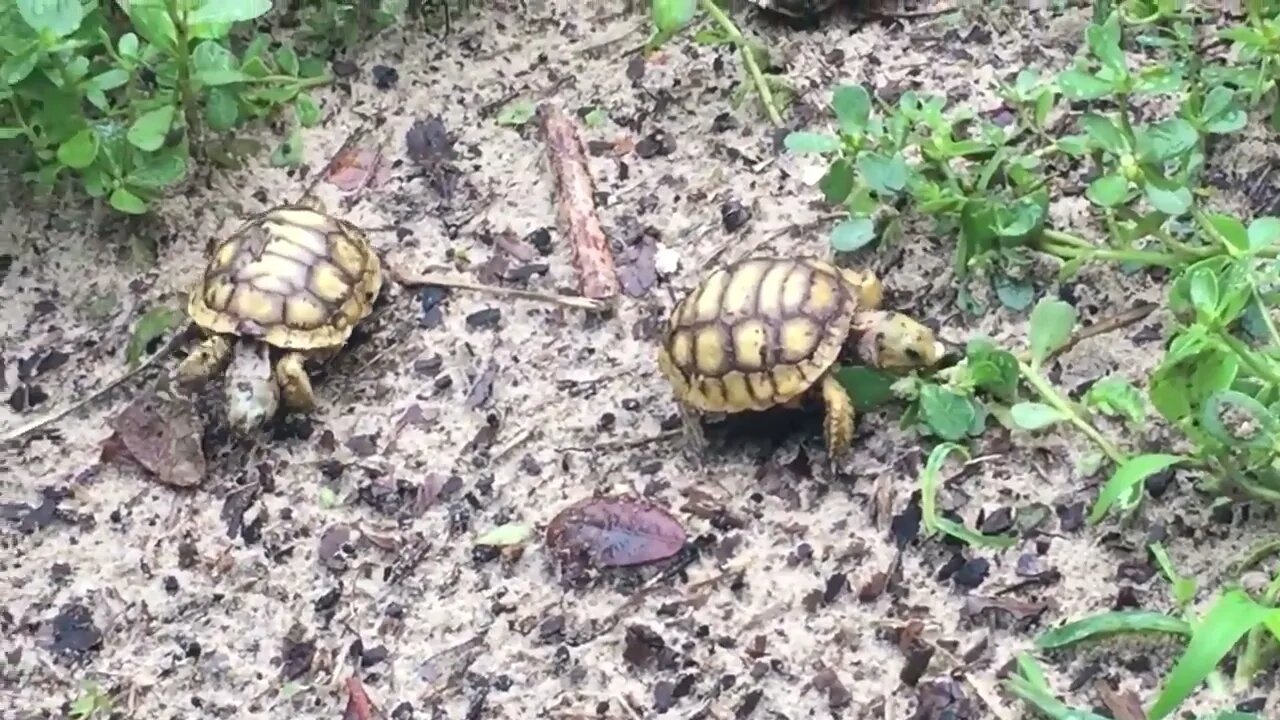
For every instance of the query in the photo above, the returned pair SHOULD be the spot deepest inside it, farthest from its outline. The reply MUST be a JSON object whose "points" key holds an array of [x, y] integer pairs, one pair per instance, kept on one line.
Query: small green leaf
{"points": [[1104, 43], [949, 415], [126, 202], [227, 11], [1080, 85], [221, 109], [867, 387], [58, 17], [837, 183], [884, 174], [150, 19], [1168, 198], [287, 60], [289, 152], [307, 110], [149, 130], [811, 142], [852, 233], [852, 104], [80, 150], [992, 369], [1263, 232], [152, 325], [1035, 416], [1231, 229], [1117, 397], [127, 46], [505, 535], [1112, 623], [1052, 322], [1237, 420], [9, 133], [1108, 190], [516, 113], [671, 16], [1125, 482], [158, 171], [1105, 133], [110, 80]]}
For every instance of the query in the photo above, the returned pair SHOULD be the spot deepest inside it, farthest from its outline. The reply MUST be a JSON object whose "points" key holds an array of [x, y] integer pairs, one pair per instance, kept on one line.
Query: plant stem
{"points": [[1059, 403], [1144, 257], [182, 56], [1248, 357], [748, 58]]}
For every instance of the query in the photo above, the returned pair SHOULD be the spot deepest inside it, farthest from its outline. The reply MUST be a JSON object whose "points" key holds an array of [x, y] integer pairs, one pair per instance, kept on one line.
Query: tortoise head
{"points": [[865, 286], [252, 393], [893, 341]]}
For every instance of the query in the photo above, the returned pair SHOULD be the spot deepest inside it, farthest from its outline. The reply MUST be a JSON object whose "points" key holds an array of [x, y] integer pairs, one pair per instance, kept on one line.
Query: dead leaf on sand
{"points": [[615, 531], [162, 435], [358, 706], [1123, 705], [354, 168]]}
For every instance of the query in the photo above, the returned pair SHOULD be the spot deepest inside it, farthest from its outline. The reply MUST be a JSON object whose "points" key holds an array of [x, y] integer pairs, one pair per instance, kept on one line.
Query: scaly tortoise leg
{"points": [[695, 440], [295, 384], [207, 359], [837, 426]]}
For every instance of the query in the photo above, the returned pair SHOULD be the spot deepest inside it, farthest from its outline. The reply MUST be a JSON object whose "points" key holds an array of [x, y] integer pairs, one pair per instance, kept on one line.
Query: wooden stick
{"points": [[446, 282], [22, 431], [576, 204]]}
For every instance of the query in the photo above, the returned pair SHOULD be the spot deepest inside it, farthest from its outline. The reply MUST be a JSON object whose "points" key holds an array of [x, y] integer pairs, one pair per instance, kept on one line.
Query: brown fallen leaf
{"points": [[358, 705], [635, 268], [1123, 705], [162, 434], [615, 531], [354, 168], [1001, 611]]}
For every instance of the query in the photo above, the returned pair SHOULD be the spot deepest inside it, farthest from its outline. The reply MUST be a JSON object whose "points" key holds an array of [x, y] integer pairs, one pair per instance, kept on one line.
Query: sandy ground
{"points": [[341, 543]]}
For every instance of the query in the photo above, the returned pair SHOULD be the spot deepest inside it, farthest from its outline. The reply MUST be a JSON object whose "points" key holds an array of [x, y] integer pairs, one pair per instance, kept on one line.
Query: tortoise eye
{"points": [[913, 355]]}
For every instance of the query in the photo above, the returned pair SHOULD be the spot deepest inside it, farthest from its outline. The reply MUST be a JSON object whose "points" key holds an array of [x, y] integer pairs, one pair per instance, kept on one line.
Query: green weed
{"points": [[670, 17], [988, 181], [122, 96]]}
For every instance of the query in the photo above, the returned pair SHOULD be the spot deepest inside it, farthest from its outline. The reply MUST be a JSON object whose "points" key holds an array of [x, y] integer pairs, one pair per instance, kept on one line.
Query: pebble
{"points": [[384, 76], [484, 319], [666, 261]]}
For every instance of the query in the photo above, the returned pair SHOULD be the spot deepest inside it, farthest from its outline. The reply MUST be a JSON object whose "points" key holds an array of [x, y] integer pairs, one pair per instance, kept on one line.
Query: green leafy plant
{"points": [[987, 182], [123, 95], [670, 17]]}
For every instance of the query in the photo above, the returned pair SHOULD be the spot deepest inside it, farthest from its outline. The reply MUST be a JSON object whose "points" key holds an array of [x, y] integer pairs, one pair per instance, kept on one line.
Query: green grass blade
{"points": [[1110, 623], [1233, 615], [1126, 478], [1032, 687]]}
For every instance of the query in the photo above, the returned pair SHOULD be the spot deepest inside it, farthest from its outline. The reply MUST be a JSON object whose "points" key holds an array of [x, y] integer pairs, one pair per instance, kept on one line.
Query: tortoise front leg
{"points": [[207, 359], [837, 426], [295, 384]]}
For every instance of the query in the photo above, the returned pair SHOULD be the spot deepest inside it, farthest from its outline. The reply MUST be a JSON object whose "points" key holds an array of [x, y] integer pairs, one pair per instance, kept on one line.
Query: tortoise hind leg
{"points": [[695, 441], [207, 359], [295, 384], [837, 426]]}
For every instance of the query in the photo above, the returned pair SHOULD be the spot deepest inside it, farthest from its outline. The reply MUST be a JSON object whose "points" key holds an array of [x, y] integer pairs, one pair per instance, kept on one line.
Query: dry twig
{"points": [[23, 431], [576, 205], [412, 281]]}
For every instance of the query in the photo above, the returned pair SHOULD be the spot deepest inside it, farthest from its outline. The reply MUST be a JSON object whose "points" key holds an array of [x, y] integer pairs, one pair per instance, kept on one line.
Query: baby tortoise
{"points": [[765, 331], [284, 289], [808, 9]]}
